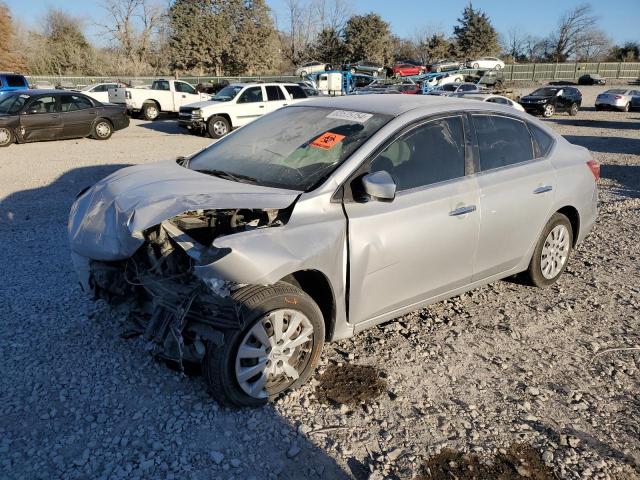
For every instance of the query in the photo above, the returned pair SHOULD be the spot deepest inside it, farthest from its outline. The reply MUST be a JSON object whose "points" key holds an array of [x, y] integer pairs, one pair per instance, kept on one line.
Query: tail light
{"points": [[618, 97], [595, 168]]}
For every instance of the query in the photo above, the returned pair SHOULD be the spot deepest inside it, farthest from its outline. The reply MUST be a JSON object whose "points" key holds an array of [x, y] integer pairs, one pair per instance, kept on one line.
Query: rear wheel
{"points": [[6, 137], [150, 111], [218, 127], [626, 108], [276, 351], [551, 254], [549, 110], [475, 65], [573, 111], [102, 129]]}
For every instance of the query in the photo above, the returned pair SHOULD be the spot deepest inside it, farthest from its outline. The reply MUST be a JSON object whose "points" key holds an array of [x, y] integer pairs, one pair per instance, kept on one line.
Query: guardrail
{"points": [[512, 72]]}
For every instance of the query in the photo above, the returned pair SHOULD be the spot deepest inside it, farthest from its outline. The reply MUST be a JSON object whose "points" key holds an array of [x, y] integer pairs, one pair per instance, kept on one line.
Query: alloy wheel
{"points": [[151, 112], [549, 110], [274, 353], [103, 129], [555, 252], [219, 128], [5, 136]]}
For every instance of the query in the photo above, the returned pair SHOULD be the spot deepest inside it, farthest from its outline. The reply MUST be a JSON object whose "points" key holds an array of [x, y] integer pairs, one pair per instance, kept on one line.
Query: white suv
{"points": [[238, 104]]}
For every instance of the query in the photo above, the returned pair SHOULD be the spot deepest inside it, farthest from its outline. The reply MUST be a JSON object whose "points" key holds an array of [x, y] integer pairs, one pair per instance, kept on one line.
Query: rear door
{"points": [[41, 119], [275, 98], [422, 244], [517, 189], [78, 114], [251, 105]]}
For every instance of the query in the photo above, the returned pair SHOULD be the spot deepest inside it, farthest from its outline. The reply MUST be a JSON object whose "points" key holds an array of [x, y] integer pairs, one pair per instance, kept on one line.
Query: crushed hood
{"points": [[106, 222]]}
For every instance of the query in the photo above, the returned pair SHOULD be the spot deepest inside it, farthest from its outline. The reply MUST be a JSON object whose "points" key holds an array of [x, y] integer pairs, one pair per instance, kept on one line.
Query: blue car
{"points": [[12, 81]]}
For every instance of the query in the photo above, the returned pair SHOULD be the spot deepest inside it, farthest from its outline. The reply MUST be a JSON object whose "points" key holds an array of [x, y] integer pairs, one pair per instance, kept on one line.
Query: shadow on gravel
{"points": [[607, 144], [613, 124], [103, 408], [167, 125], [626, 176]]}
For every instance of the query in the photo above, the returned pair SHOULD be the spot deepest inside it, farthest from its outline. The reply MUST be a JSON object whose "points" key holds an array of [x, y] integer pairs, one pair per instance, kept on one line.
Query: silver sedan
{"points": [[323, 219], [618, 99]]}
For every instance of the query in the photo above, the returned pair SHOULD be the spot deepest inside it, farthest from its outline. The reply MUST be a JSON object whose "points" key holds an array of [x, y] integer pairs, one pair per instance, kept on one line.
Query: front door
{"points": [[41, 119], [251, 105], [517, 193], [184, 94], [78, 115], [423, 243]]}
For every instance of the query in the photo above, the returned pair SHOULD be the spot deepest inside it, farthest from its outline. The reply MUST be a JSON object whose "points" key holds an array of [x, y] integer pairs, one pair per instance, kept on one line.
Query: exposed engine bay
{"points": [[176, 311]]}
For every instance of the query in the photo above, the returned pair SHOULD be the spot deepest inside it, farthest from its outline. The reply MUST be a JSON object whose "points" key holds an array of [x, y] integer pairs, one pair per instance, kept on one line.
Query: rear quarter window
{"points": [[15, 81], [543, 140]]}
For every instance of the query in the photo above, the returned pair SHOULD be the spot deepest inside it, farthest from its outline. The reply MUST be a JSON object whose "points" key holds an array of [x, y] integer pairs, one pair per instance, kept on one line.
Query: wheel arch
{"points": [[574, 218], [151, 100], [223, 115], [316, 284]]}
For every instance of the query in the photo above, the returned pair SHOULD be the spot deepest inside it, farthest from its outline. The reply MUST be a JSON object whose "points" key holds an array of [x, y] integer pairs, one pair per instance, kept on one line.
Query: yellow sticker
{"points": [[327, 140]]}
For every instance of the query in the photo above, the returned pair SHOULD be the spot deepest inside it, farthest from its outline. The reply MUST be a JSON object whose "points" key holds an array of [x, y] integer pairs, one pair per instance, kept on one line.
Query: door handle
{"points": [[462, 210], [261, 106], [55, 116], [184, 96], [543, 189]]}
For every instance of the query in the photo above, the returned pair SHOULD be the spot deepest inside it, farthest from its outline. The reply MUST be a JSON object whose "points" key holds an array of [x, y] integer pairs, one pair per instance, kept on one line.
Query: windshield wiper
{"points": [[236, 177]]}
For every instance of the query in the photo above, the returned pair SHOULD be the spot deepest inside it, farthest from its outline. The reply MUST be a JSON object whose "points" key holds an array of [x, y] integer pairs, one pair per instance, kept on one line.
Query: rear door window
{"points": [[16, 81], [502, 141], [71, 103], [274, 93]]}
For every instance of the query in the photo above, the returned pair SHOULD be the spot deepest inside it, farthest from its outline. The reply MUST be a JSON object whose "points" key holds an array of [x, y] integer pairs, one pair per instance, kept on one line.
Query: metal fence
{"points": [[514, 72]]}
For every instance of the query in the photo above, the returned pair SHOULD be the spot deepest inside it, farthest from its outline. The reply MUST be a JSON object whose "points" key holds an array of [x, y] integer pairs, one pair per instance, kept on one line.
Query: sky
{"points": [[618, 18]]}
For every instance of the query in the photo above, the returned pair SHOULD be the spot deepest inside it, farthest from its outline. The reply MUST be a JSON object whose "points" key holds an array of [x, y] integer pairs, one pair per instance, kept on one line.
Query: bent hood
{"points": [[106, 222], [205, 103]]}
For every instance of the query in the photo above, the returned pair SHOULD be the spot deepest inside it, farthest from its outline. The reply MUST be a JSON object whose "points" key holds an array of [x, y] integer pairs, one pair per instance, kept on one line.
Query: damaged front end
{"points": [[175, 307]]}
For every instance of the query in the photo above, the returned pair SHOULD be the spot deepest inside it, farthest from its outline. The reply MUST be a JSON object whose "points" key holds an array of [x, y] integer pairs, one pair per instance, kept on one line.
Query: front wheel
{"points": [[476, 66], [276, 351], [551, 254], [573, 111], [549, 110], [6, 137], [218, 127]]}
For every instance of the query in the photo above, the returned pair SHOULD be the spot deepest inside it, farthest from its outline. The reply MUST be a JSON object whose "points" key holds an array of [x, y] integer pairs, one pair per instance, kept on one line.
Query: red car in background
{"points": [[407, 69]]}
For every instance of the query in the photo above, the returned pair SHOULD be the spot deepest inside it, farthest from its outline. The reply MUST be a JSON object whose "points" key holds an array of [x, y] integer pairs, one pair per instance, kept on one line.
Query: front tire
{"points": [[276, 351], [150, 111], [549, 110], [102, 130], [552, 251], [218, 127], [6, 137]]}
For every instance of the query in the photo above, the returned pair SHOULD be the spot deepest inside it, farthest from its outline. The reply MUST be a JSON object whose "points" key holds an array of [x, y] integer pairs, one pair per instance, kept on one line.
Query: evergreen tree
{"points": [[328, 47], [438, 48], [9, 59], [367, 37], [475, 35]]}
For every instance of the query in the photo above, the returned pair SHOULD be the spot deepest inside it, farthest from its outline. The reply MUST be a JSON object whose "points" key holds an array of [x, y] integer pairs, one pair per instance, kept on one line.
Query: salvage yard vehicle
{"points": [[311, 67], [238, 104], [549, 100], [445, 66], [491, 98], [592, 79], [35, 115], [12, 81], [370, 68], [432, 80], [100, 91], [622, 99], [486, 63], [323, 219], [163, 96], [406, 70], [455, 89]]}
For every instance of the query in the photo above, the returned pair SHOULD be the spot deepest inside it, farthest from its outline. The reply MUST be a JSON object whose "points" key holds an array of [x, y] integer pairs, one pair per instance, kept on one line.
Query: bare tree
{"points": [[302, 27], [593, 46], [514, 43], [332, 14], [573, 27]]}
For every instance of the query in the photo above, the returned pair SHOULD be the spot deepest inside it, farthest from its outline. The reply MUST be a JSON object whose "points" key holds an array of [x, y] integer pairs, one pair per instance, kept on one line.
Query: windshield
{"points": [[546, 92], [12, 104], [227, 93], [294, 148]]}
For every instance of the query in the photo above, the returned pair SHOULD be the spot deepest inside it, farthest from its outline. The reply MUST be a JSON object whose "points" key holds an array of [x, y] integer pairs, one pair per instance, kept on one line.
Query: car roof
{"points": [[35, 91], [257, 84], [396, 105]]}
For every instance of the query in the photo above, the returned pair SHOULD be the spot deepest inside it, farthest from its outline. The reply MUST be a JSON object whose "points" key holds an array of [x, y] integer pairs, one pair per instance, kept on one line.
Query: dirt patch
{"points": [[350, 384], [520, 461]]}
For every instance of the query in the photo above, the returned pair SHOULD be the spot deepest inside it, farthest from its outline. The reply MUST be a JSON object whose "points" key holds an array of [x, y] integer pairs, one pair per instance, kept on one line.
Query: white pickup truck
{"points": [[163, 96], [238, 104]]}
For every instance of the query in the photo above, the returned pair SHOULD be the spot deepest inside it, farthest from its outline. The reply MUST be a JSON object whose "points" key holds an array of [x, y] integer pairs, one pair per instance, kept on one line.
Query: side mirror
{"points": [[380, 186]]}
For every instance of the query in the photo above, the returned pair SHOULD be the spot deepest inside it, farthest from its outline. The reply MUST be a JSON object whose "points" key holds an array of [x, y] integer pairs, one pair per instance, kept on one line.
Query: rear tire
{"points": [[552, 252], [150, 111], [102, 129], [218, 127], [6, 137], [573, 111], [223, 366], [626, 108]]}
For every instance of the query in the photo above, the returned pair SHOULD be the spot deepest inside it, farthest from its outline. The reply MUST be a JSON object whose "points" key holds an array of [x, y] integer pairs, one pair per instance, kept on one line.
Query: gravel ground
{"points": [[500, 366]]}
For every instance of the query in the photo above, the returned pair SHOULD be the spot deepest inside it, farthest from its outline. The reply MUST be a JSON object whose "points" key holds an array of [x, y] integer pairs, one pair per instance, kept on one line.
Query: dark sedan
{"points": [[35, 115]]}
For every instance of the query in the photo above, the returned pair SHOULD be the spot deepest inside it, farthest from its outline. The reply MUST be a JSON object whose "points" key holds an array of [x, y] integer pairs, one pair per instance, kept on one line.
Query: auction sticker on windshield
{"points": [[327, 140], [359, 117]]}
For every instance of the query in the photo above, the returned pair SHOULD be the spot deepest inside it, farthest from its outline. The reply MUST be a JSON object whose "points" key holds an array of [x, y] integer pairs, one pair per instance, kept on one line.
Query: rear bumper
{"points": [[121, 123], [611, 106]]}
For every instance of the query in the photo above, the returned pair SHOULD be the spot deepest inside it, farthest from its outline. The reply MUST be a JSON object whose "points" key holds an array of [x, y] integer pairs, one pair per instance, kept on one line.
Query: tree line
{"points": [[243, 37]]}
